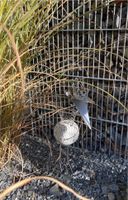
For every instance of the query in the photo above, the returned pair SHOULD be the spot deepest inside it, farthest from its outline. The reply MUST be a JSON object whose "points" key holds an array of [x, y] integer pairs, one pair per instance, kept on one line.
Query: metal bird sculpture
{"points": [[81, 102]]}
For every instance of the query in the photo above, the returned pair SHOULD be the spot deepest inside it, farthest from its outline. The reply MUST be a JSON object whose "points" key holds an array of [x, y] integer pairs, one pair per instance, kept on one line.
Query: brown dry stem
{"points": [[28, 180], [15, 49]]}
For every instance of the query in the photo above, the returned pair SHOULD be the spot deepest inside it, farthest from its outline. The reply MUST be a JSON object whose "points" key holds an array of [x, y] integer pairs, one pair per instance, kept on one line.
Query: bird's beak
{"points": [[82, 107]]}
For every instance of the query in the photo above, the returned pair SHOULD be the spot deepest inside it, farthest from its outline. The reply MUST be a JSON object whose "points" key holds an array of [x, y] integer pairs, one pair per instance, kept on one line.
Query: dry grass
{"points": [[20, 23]]}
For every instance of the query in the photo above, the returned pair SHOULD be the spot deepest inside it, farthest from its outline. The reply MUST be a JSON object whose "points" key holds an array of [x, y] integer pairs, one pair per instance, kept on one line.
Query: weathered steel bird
{"points": [[80, 100]]}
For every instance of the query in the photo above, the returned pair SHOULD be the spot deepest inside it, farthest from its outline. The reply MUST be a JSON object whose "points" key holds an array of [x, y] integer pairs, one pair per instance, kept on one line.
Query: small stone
{"points": [[113, 187], [30, 193], [39, 198], [87, 178], [55, 190], [67, 178], [104, 189], [111, 196]]}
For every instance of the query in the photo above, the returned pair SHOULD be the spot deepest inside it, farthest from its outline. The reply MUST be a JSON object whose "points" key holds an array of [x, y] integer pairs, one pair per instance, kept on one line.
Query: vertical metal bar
{"points": [[51, 61], [36, 99], [72, 63], [104, 74], [62, 64], [93, 70], [56, 62], [45, 125], [78, 36], [67, 51], [99, 68], [90, 50], [89, 56], [30, 95], [111, 58], [126, 92], [83, 70], [59, 55], [40, 93], [114, 90], [120, 88], [78, 46], [126, 144], [73, 37]]}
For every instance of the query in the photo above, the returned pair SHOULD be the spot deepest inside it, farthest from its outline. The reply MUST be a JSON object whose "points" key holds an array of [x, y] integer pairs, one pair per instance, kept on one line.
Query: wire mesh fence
{"points": [[88, 53]]}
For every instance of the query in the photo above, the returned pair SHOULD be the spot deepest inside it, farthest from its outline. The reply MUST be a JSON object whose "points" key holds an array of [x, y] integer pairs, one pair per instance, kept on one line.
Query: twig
{"points": [[28, 180]]}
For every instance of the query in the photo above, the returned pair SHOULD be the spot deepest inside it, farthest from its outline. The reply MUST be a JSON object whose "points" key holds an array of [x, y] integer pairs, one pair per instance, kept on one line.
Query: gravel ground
{"points": [[95, 175]]}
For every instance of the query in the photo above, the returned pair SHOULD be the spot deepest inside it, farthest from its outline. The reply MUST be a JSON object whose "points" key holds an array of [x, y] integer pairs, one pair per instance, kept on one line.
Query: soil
{"points": [[93, 174]]}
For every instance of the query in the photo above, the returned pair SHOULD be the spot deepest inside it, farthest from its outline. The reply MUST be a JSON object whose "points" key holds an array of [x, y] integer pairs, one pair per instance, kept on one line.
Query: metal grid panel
{"points": [[90, 53]]}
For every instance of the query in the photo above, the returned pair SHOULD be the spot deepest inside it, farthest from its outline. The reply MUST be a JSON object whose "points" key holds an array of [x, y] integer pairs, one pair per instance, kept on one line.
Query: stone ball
{"points": [[66, 132]]}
